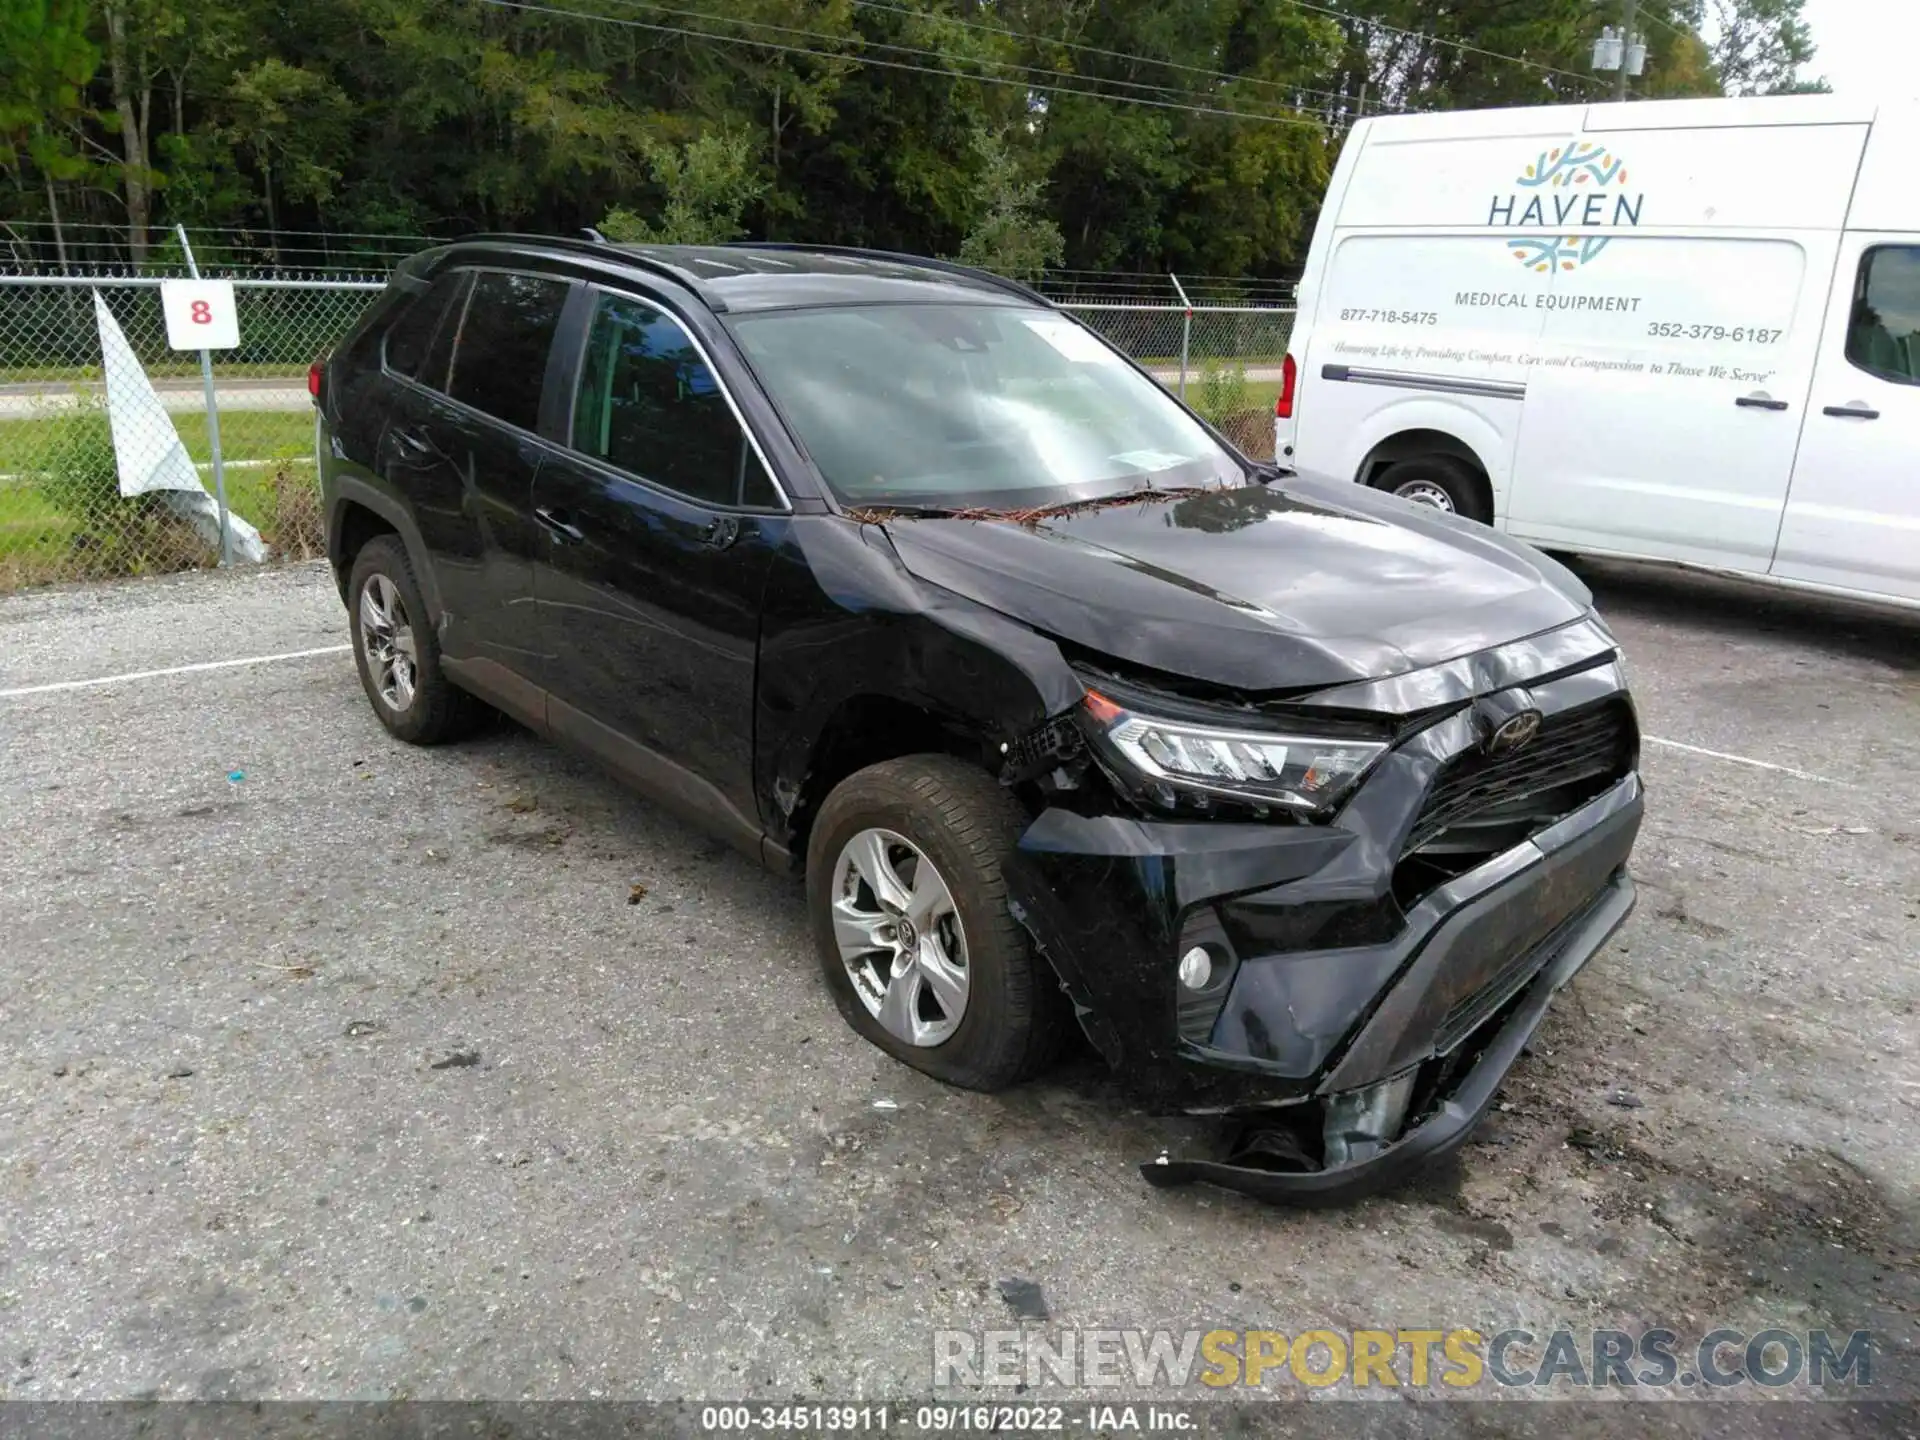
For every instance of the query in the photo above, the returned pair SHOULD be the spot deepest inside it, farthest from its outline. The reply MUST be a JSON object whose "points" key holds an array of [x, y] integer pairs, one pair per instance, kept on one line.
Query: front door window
{"points": [[1883, 334], [650, 406]]}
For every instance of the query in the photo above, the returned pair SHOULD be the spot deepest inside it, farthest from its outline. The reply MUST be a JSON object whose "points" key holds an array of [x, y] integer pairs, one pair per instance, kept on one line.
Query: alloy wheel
{"points": [[387, 634], [900, 937]]}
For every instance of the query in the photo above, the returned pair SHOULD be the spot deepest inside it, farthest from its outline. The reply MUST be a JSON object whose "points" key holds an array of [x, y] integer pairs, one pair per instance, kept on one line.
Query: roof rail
{"points": [[945, 267], [603, 249]]}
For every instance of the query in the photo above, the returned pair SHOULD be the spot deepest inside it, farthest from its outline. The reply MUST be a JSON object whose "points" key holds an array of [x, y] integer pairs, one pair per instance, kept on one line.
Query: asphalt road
{"points": [[27, 400], [377, 1072]]}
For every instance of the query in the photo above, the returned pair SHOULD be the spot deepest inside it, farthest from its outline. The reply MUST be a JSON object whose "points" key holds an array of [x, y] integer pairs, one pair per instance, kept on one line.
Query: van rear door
{"points": [[1677, 353], [1412, 348], [1414, 343]]}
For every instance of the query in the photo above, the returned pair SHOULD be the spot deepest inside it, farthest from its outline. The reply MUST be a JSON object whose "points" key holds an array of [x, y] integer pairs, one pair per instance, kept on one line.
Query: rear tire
{"points": [[397, 652], [1440, 482], [932, 809]]}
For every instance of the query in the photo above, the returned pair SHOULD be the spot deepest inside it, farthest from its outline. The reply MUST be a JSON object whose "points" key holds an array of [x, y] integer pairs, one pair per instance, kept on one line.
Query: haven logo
{"points": [[1576, 185]]}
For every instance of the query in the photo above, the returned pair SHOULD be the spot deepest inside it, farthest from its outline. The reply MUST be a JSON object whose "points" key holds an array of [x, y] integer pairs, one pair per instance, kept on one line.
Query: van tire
{"points": [[1441, 483]]}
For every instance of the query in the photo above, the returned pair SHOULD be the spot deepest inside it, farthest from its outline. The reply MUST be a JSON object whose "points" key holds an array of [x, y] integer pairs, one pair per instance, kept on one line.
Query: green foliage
{"points": [[1223, 393], [107, 533], [936, 126], [293, 122], [706, 186], [46, 62], [1759, 47], [82, 475], [1012, 234]]}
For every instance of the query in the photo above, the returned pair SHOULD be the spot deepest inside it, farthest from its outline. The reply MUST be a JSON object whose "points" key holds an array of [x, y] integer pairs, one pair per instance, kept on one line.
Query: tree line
{"points": [[1099, 135]]}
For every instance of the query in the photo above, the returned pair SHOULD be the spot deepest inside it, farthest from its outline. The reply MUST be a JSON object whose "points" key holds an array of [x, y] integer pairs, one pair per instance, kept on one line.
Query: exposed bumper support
{"points": [[1449, 1125]]}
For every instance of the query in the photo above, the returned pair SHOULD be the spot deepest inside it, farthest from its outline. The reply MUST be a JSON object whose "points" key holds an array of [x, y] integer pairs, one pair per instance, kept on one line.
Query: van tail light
{"points": [[316, 372], [1289, 377]]}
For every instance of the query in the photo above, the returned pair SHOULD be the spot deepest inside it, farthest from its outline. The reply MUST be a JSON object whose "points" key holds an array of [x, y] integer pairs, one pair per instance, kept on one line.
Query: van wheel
{"points": [[909, 915], [1441, 482]]}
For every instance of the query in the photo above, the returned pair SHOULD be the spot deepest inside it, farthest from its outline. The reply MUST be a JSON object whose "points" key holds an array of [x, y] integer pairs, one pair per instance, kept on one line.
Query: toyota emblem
{"points": [[1516, 731]]}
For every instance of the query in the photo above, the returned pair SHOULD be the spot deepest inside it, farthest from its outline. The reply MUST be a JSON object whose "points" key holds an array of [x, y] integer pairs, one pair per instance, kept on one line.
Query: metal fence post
{"points": [[213, 422], [1186, 329]]}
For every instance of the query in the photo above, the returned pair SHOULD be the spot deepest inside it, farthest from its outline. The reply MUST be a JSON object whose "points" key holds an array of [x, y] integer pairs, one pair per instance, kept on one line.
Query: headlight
{"points": [[1305, 774]]}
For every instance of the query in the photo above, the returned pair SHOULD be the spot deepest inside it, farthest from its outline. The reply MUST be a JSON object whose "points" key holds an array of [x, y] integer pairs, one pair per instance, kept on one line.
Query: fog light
{"points": [[1205, 969]]}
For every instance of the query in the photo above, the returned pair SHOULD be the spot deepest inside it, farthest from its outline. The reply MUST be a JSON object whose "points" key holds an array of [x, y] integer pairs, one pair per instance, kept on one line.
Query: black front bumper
{"points": [[1449, 1123], [1324, 1001]]}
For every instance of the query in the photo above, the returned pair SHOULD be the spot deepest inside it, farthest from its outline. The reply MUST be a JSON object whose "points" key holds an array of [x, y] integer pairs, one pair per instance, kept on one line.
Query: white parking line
{"points": [[172, 670], [1741, 760]]}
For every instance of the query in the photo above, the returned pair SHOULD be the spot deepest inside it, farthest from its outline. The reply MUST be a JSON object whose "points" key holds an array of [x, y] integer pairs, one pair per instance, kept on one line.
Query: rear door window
{"points": [[1883, 334], [649, 404], [410, 343], [500, 355]]}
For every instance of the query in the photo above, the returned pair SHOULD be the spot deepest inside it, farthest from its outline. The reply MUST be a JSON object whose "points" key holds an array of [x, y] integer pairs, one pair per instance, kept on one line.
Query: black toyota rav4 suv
{"points": [[1301, 802]]}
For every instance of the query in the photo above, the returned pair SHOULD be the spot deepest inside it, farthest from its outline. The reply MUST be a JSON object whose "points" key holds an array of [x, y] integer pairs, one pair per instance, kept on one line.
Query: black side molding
{"points": [[1409, 380]]}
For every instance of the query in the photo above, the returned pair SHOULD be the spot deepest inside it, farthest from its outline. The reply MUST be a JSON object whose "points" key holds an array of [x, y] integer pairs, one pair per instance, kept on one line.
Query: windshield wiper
{"points": [[1025, 515], [875, 514]]}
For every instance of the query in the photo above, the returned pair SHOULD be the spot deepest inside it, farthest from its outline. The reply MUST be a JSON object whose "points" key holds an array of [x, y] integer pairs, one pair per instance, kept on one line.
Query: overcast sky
{"points": [[1868, 49]]}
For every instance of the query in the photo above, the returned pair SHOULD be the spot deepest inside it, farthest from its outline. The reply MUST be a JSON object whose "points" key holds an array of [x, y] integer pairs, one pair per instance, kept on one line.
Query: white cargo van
{"points": [[1681, 330]]}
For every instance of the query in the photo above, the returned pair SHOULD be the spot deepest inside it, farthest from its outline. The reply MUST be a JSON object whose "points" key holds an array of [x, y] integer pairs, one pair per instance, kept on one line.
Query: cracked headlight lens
{"points": [[1304, 773]]}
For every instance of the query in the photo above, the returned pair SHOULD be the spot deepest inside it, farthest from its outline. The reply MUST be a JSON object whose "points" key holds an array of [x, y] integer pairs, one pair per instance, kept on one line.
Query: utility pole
{"points": [[1621, 51], [1629, 12]]}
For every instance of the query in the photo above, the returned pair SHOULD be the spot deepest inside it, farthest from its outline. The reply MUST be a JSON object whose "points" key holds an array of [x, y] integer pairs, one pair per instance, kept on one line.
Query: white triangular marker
{"points": [[151, 457]]}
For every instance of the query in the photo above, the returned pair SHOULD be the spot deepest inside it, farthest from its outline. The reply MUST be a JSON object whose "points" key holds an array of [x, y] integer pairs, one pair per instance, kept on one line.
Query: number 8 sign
{"points": [[200, 314]]}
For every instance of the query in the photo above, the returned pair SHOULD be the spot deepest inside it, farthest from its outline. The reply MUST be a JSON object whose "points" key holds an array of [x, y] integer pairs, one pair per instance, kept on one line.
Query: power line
{"points": [[1081, 46], [1436, 39], [1297, 118], [1684, 31], [866, 43]]}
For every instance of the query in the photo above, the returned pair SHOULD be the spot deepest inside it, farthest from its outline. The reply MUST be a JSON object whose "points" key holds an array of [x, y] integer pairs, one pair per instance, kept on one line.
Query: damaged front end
{"points": [[1341, 944]]}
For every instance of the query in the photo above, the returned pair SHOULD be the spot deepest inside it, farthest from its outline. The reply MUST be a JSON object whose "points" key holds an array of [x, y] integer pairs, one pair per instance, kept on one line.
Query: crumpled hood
{"points": [[1279, 587]]}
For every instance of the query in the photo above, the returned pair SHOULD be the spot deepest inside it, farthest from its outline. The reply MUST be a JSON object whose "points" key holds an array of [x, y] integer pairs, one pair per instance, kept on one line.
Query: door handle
{"points": [[1851, 412], [411, 442], [559, 524], [723, 532], [1760, 402]]}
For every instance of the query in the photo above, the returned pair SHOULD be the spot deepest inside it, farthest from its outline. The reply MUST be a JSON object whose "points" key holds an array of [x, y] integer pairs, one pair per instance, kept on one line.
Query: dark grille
{"points": [[1481, 804]]}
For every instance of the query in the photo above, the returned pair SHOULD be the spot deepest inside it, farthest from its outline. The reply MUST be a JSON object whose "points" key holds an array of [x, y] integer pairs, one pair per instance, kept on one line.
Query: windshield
{"points": [[957, 406]]}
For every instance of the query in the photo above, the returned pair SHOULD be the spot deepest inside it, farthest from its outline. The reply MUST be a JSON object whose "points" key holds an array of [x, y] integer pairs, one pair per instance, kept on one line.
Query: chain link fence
{"points": [[1223, 360], [65, 513]]}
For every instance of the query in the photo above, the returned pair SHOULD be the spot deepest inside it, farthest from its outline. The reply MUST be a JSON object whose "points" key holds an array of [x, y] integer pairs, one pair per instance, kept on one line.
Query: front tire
{"points": [[908, 907], [397, 652]]}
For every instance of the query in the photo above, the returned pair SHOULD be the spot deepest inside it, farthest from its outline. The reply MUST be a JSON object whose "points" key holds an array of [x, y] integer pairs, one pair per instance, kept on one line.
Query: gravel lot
{"points": [[377, 1074]]}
